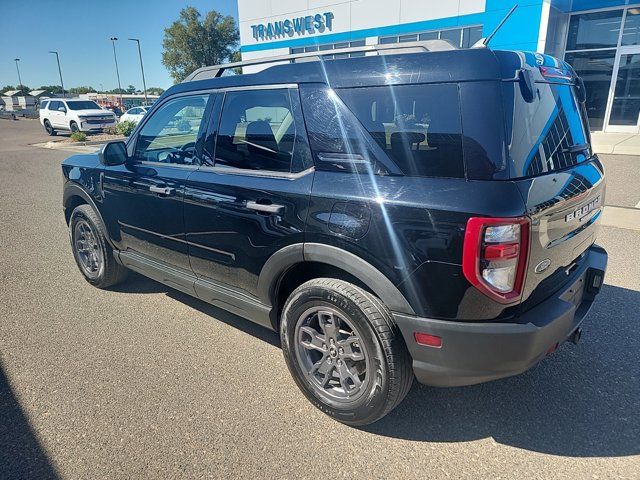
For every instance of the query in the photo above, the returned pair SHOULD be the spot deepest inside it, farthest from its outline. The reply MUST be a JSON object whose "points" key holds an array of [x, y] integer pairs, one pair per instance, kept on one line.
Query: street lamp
{"points": [[60, 72], [18, 69], [115, 58], [144, 83]]}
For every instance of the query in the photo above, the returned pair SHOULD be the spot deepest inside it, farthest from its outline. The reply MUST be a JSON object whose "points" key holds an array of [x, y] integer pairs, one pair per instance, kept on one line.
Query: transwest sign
{"points": [[293, 26]]}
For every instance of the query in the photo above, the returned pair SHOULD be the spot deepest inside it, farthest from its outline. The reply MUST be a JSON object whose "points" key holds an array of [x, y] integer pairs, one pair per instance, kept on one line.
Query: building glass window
{"points": [[452, 36], [595, 69], [332, 46], [594, 30], [470, 36], [408, 38], [459, 37], [631, 32]]}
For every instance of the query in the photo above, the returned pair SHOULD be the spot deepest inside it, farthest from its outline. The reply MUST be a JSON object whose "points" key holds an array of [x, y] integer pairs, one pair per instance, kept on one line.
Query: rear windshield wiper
{"points": [[577, 148]]}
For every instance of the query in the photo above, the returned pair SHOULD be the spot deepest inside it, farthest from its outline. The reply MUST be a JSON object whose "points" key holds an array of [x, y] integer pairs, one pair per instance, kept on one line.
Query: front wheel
{"points": [[74, 127], [91, 250], [344, 351]]}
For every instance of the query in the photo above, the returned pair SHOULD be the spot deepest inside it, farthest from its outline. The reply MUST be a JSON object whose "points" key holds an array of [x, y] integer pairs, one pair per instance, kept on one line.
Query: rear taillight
{"points": [[494, 257]]}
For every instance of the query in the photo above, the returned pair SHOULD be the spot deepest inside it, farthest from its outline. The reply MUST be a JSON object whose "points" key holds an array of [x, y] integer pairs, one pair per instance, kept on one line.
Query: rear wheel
{"points": [[91, 250], [344, 351], [49, 128], [74, 127]]}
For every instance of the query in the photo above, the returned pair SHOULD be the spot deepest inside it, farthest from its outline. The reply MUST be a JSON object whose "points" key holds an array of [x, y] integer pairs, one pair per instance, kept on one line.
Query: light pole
{"points": [[115, 58], [18, 69], [60, 72], [144, 83]]}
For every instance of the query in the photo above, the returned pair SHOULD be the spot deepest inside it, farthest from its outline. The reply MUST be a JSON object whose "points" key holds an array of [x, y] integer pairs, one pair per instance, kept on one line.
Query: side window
{"points": [[418, 126], [55, 105], [170, 135], [336, 138], [257, 131], [134, 111], [44, 104]]}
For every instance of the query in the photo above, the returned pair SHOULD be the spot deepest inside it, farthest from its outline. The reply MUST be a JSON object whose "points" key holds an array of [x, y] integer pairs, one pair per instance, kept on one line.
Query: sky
{"points": [[80, 32]]}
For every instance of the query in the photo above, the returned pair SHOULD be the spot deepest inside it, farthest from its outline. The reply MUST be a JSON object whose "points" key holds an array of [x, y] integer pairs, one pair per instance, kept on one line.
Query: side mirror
{"points": [[527, 85], [113, 153]]}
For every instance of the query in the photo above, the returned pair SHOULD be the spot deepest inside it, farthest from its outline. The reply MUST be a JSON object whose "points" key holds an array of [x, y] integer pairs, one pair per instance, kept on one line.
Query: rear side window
{"points": [[547, 134], [418, 126], [257, 131], [44, 104]]}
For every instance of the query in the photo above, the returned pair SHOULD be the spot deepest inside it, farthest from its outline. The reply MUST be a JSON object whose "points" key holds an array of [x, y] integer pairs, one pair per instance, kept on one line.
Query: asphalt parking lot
{"points": [[143, 381]]}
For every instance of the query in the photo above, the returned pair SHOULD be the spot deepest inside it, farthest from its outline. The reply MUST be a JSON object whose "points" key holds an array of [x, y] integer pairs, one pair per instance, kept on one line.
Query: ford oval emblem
{"points": [[543, 265]]}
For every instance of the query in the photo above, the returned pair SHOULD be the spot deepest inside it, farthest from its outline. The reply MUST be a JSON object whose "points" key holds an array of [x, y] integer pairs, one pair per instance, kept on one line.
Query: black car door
{"points": [[253, 198], [143, 199]]}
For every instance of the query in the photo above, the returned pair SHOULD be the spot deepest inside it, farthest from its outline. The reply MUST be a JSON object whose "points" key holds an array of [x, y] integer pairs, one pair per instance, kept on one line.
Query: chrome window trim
{"points": [[257, 173]]}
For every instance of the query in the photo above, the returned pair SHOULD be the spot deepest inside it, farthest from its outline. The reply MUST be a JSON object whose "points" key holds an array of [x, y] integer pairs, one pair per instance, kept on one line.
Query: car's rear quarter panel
{"points": [[412, 229]]}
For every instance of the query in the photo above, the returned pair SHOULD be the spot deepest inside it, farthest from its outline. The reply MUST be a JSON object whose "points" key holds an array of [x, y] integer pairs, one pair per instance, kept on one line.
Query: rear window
{"points": [[418, 126], [546, 135]]}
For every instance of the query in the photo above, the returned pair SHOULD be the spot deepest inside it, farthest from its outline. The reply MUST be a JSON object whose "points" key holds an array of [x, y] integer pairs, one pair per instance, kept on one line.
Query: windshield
{"points": [[546, 135], [83, 105]]}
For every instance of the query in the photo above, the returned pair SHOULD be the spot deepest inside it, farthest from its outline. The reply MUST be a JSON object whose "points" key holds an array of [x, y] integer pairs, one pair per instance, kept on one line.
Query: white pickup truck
{"points": [[74, 115]]}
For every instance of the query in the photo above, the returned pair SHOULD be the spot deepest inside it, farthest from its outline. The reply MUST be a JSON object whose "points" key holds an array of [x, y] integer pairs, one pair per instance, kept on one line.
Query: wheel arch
{"points": [[295, 264], [73, 196]]}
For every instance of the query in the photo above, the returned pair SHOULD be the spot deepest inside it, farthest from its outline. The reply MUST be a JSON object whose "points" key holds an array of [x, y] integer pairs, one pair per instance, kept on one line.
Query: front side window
{"points": [[418, 126], [170, 134], [257, 131]]}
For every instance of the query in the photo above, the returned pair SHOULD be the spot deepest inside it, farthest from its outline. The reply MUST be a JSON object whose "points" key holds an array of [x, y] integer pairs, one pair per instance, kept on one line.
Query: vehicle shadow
{"points": [[141, 285], [583, 401], [21, 454]]}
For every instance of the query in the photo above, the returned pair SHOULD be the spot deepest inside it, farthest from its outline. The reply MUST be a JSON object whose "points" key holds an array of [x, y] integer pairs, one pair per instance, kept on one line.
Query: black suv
{"points": [[428, 214]]}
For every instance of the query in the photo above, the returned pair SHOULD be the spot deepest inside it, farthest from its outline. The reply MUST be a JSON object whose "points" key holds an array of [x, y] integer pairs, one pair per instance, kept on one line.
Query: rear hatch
{"points": [[551, 161]]}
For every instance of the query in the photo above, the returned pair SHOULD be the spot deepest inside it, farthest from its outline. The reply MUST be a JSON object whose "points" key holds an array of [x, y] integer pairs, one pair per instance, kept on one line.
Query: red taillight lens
{"points": [[494, 256]]}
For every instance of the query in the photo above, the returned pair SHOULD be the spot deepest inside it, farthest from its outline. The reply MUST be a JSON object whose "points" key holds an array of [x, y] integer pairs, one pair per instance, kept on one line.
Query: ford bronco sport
{"points": [[428, 214]]}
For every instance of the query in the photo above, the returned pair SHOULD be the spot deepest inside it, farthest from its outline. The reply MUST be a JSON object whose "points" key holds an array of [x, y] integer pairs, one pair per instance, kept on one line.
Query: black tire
{"points": [[74, 127], [388, 376], [103, 273], [49, 128]]}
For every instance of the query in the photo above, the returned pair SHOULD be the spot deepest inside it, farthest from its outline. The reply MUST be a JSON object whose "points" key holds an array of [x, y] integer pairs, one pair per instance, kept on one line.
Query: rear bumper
{"points": [[478, 352]]}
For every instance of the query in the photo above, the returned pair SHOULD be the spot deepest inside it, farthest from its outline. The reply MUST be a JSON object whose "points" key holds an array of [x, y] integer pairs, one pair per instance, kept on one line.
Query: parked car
{"points": [[134, 114], [434, 218], [74, 115]]}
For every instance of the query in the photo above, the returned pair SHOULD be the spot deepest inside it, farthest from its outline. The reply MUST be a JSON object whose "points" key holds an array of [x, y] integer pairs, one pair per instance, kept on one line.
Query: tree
{"points": [[190, 43], [23, 88], [6, 88], [131, 89], [155, 91], [51, 88], [118, 91], [80, 90]]}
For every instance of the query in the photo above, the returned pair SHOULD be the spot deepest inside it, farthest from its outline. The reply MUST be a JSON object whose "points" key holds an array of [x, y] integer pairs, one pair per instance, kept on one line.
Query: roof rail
{"points": [[215, 71]]}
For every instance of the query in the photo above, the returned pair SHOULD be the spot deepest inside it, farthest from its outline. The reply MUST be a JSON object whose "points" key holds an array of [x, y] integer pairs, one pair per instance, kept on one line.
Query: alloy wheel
{"points": [[88, 250], [331, 354]]}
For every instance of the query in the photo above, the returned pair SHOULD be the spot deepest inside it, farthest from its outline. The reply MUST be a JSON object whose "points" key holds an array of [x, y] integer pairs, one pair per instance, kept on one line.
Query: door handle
{"points": [[161, 190], [270, 208]]}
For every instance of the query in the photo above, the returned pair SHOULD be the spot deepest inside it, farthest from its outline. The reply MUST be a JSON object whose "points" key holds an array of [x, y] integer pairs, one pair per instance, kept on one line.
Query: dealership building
{"points": [[600, 38]]}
